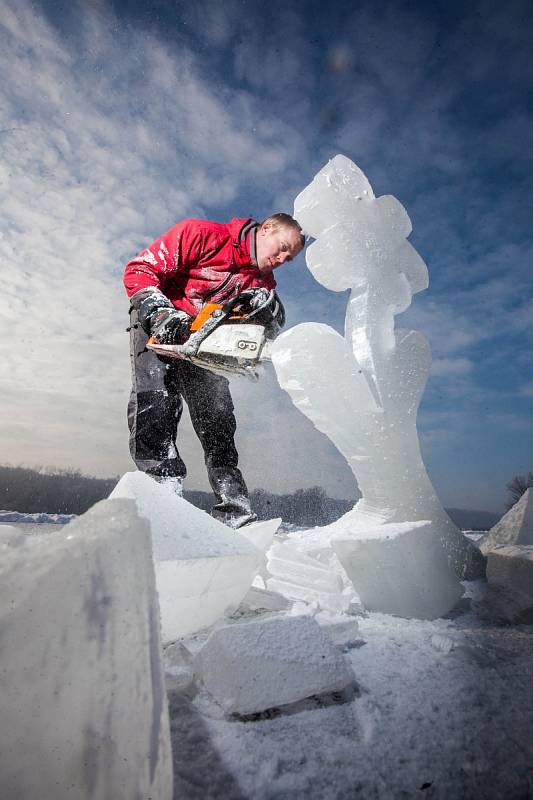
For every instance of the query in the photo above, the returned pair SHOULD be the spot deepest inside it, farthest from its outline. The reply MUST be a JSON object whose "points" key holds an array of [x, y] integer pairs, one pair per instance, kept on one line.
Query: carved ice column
{"points": [[363, 390]]}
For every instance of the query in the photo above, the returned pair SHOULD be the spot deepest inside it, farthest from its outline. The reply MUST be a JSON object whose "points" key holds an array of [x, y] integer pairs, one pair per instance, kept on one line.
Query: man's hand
{"points": [[267, 310], [170, 326], [158, 317], [258, 298]]}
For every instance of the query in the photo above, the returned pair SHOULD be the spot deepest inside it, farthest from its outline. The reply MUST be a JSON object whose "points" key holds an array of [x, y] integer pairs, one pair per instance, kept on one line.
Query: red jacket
{"points": [[197, 262]]}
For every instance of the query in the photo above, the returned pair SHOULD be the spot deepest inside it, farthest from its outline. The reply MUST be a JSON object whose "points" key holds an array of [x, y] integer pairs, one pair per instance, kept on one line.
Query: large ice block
{"points": [[512, 566], [83, 707], [515, 527], [509, 595], [363, 389], [400, 569], [252, 666], [203, 568]]}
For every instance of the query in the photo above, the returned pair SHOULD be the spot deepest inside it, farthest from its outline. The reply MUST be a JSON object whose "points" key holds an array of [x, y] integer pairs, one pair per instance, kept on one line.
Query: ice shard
{"points": [[203, 569], [515, 527], [363, 389]]}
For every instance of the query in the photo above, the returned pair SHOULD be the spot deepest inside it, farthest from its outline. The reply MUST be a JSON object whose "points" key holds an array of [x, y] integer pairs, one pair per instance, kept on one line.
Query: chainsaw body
{"points": [[224, 340]]}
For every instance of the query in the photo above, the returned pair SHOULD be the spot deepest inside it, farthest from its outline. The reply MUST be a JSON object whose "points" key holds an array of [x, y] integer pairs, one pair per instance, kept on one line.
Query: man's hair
{"points": [[282, 220]]}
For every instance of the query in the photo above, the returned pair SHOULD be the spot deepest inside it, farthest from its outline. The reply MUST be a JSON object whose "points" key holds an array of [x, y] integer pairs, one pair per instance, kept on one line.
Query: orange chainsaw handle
{"points": [[199, 321], [206, 313]]}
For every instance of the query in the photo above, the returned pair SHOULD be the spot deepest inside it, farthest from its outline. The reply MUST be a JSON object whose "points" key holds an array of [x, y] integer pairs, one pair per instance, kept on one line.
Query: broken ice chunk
{"points": [[335, 602], [298, 576], [203, 569], [84, 712], [512, 566], [515, 527], [261, 534], [262, 599], [252, 666], [289, 563]]}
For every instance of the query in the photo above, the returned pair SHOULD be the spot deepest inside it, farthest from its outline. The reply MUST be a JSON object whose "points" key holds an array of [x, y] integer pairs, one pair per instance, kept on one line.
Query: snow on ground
{"points": [[442, 709]]}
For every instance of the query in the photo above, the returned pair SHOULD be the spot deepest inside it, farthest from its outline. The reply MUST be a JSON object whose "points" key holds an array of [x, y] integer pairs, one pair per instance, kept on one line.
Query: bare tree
{"points": [[517, 487]]}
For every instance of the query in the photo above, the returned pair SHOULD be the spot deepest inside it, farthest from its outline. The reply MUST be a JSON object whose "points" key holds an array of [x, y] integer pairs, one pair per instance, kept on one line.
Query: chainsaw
{"points": [[228, 339]]}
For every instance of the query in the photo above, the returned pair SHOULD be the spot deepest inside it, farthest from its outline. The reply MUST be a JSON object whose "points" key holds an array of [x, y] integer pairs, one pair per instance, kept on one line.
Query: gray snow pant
{"points": [[154, 411]]}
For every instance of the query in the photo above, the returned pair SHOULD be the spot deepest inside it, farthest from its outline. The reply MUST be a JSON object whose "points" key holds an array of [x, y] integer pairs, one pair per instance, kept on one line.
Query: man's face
{"points": [[275, 246]]}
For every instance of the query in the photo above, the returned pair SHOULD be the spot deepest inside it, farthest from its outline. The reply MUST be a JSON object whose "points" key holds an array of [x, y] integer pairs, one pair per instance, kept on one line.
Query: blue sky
{"points": [[120, 118]]}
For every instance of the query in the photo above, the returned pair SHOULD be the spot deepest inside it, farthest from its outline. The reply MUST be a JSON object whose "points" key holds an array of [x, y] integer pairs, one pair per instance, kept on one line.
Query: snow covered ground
{"points": [[442, 709]]}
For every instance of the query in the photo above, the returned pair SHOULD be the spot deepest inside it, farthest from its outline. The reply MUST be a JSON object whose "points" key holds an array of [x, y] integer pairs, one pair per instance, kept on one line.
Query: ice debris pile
{"points": [[80, 639], [203, 568], [363, 390]]}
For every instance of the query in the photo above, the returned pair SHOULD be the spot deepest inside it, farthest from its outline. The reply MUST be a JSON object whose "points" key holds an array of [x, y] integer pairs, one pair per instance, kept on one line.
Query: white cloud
{"points": [[90, 173], [445, 367], [449, 330]]}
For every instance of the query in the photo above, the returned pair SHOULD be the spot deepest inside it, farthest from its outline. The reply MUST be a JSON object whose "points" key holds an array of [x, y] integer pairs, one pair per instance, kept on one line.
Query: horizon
{"points": [[66, 471], [120, 118]]}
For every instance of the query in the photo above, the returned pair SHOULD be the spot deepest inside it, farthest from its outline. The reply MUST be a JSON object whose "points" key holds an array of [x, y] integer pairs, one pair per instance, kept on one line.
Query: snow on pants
{"points": [[154, 411]]}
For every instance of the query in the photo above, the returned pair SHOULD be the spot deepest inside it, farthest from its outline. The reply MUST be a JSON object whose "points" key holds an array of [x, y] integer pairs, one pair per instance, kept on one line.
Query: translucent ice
{"points": [[363, 389], [83, 704], [515, 527], [511, 566], [299, 576], [400, 569], [203, 568], [256, 665], [261, 534], [510, 584]]}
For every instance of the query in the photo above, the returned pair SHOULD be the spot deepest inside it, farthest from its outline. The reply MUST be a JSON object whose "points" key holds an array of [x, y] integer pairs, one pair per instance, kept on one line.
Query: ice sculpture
{"points": [[363, 390]]}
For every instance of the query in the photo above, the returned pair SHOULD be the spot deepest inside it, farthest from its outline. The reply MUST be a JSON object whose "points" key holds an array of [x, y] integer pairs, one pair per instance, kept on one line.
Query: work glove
{"points": [[158, 317], [267, 310], [170, 326]]}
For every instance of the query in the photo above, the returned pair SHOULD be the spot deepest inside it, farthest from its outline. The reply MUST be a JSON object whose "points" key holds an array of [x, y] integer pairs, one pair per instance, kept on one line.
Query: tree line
{"points": [[70, 492], [60, 491], [66, 491]]}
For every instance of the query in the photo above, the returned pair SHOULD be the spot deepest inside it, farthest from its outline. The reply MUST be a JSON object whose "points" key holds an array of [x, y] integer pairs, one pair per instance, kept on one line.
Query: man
{"points": [[168, 283]]}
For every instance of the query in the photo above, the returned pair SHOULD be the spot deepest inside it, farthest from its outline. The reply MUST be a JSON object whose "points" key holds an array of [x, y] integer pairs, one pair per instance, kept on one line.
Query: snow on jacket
{"points": [[198, 261]]}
